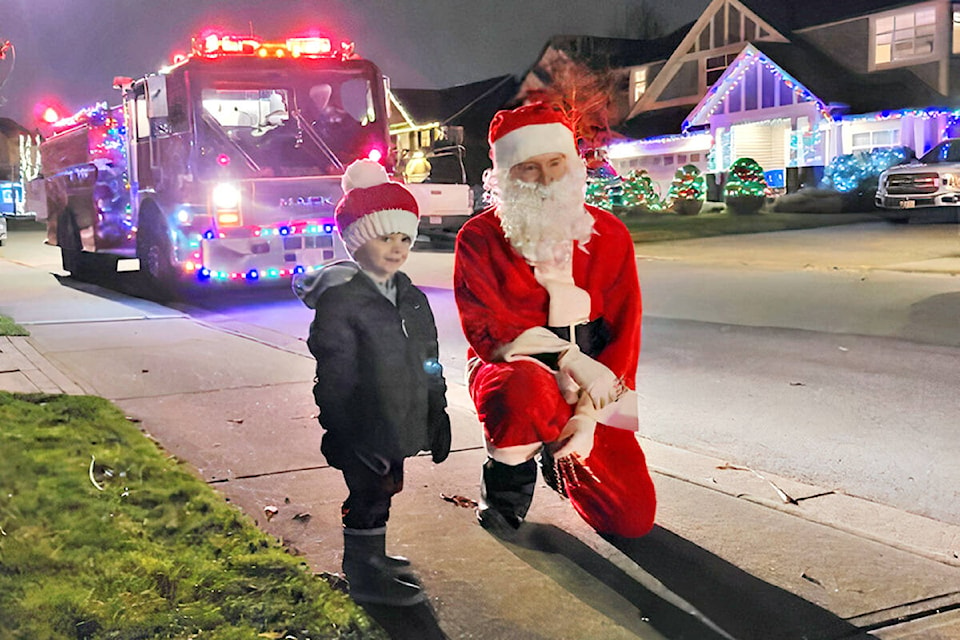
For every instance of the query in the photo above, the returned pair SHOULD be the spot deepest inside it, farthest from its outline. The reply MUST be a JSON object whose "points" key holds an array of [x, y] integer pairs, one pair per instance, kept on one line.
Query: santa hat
{"points": [[527, 131], [373, 206]]}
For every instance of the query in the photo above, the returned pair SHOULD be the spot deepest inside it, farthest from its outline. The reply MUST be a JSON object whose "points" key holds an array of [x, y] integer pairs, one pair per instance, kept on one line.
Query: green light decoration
{"points": [[688, 190], [601, 191], [745, 187], [640, 192]]}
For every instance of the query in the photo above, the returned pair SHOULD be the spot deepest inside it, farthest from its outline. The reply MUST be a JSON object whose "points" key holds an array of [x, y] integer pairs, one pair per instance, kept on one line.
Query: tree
{"points": [[585, 96], [643, 22]]}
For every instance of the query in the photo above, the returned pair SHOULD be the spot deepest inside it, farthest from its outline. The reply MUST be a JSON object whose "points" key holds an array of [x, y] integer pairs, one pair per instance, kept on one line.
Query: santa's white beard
{"points": [[541, 222]]}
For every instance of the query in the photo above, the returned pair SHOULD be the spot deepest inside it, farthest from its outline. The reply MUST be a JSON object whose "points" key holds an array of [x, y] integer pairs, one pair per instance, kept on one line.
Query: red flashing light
{"points": [[223, 159], [311, 47], [50, 115], [214, 45], [375, 154]]}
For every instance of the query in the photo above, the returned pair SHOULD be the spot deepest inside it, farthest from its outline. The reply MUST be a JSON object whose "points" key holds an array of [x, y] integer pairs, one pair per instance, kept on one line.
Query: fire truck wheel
{"points": [[155, 251]]}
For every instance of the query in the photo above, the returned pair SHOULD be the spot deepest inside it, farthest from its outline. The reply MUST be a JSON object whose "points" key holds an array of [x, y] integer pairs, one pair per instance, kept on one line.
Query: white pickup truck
{"points": [[443, 209], [922, 187]]}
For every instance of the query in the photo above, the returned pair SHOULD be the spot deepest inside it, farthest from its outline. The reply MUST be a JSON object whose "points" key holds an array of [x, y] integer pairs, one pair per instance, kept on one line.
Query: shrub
{"points": [[745, 187], [688, 190]]}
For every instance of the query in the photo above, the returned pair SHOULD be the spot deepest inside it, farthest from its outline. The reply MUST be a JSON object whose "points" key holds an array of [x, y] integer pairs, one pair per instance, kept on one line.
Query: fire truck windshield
{"points": [[311, 124]]}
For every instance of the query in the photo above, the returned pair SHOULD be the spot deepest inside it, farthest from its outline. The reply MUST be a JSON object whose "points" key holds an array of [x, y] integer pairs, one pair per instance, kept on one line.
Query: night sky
{"points": [[72, 50]]}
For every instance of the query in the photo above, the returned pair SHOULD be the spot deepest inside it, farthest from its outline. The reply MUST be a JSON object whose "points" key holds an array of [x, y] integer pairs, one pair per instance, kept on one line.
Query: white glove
{"points": [[595, 378], [569, 388], [578, 434]]}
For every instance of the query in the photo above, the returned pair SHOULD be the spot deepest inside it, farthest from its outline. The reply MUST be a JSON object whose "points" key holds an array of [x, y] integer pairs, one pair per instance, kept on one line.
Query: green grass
{"points": [[104, 536], [661, 227], [10, 328]]}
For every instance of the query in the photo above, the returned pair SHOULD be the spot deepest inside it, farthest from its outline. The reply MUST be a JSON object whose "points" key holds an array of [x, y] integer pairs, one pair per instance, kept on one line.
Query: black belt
{"points": [[592, 338]]}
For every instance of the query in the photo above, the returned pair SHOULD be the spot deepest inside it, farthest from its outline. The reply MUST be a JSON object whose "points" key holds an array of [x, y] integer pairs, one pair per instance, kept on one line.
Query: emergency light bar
{"points": [[217, 45]]}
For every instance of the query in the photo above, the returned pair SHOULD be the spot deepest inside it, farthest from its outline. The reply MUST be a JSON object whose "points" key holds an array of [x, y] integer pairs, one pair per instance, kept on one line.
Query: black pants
{"points": [[368, 504]]}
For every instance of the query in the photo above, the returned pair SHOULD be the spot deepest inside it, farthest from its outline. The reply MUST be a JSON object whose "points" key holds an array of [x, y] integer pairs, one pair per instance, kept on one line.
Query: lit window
{"points": [[639, 83], [867, 140], [905, 36], [956, 28]]}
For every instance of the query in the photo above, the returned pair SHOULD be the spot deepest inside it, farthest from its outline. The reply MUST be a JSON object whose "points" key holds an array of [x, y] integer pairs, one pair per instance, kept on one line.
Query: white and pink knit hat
{"points": [[373, 206], [527, 131]]}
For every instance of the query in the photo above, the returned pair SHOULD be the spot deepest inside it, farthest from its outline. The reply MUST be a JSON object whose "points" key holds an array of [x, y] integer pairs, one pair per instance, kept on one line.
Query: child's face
{"points": [[383, 256]]}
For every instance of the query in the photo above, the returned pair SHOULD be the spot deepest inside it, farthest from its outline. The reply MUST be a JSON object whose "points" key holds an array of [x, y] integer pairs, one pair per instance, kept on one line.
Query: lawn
{"points": [[10, 328], [661, 227], [103, 535]]}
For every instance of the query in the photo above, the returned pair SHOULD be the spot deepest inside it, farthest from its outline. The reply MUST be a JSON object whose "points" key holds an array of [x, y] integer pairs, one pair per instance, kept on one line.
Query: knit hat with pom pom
{"points": [[373, 206]]}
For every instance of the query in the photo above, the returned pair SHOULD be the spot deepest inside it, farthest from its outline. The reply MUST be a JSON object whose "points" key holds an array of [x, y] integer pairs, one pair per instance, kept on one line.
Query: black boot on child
{"points": [[375, 577]]}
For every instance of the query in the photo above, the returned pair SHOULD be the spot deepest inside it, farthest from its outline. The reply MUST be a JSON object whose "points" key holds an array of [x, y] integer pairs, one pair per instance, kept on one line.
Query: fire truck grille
{"points": [[907, 183], [281, 200]]}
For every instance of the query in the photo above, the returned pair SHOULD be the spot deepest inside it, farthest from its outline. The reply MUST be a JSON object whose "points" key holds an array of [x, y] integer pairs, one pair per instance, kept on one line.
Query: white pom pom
{"points": [[362, 174]]}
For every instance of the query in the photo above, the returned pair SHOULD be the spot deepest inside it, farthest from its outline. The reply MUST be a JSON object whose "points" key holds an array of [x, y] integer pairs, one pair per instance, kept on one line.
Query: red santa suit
{"points": [[519, 401]]}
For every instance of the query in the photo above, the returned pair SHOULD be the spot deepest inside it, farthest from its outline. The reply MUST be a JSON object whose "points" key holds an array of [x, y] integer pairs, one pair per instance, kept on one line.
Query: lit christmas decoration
{"points": [[859, 171], [688, 190], [745, 187], [639, 191], [688, 184]]}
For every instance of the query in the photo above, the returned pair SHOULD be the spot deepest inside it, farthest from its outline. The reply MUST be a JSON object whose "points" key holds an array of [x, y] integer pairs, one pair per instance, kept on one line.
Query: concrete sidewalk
{"points": [[736, 553]]}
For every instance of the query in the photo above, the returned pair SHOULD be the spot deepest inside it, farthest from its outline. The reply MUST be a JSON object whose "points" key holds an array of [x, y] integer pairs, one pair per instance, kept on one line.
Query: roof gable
{"points": [[706, 35], [750, 61], [793, 16]]}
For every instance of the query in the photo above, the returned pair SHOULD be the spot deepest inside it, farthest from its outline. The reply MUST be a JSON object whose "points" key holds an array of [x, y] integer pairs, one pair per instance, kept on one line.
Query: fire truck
{"points": [[224, 166]]}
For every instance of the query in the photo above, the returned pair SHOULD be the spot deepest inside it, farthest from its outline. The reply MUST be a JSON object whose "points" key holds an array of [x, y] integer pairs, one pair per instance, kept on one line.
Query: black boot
{"points": [[399, 566], [505, 494], [372, 578]]}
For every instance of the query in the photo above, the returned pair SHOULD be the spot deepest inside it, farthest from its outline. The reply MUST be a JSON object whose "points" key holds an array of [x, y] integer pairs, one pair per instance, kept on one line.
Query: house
{"points": [[791, 85], [19, 163], [448, 127]]}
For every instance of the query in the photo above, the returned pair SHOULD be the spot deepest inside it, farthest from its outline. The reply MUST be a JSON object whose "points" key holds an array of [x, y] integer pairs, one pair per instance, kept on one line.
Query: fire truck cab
{"points": [[225, 166]]}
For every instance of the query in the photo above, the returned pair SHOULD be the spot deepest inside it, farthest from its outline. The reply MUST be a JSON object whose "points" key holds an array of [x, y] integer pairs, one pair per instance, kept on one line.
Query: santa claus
{"points": [[549, 301]]}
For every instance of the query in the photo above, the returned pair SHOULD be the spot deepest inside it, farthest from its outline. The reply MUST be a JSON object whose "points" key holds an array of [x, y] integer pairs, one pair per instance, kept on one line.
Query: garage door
{"points": [[765, 142]]}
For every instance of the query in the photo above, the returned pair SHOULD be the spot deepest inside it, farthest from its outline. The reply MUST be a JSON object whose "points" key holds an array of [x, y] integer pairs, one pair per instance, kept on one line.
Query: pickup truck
{"points": [[443, 208], [923, 187]]}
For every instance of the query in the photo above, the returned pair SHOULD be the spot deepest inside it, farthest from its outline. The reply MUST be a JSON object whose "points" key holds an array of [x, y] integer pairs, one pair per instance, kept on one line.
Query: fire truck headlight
{"points": [[184, 216], [226, 197]]}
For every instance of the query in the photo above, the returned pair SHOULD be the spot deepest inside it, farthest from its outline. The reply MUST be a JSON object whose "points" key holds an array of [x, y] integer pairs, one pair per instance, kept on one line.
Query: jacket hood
{"points": [[310, 286]]}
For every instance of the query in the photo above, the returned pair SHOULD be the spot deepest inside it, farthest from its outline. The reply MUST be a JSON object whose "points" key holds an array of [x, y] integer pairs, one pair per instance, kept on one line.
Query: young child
{"points": [[379, 385]]}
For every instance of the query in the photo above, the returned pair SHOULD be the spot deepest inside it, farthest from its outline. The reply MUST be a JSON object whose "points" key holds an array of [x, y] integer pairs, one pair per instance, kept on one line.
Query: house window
{"points": [[867, 140], [639, 83], [716, 65], [955, 13], [904, 36]]}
